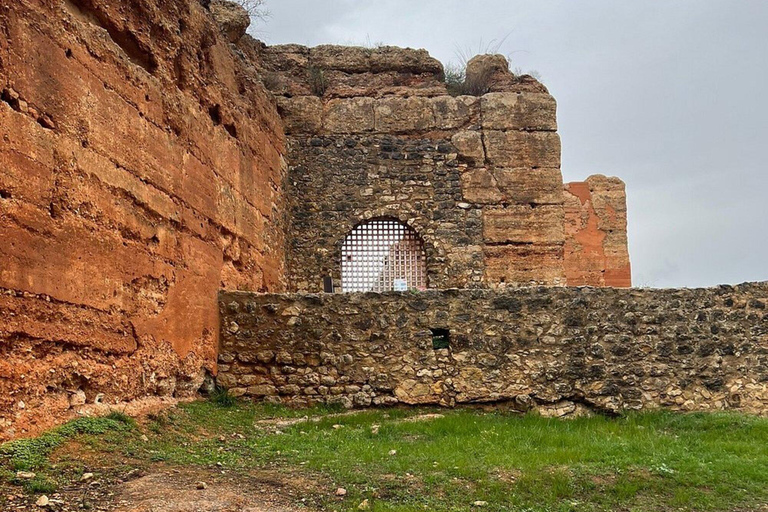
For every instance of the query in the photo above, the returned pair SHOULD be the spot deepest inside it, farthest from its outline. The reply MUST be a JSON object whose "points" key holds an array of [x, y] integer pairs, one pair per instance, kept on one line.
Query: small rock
{"points": [[46, 121], [201, 485], [86, 477], [480, 504], [22, 405], [42, 501], [337, 427], [392, 452], [144, 438], [375, 429], [341, 491], [25, 475], [364, 505], [77, 398]]}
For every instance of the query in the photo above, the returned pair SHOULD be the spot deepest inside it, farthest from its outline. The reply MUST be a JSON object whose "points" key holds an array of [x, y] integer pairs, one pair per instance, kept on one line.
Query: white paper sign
{"points": [[400, 285]]}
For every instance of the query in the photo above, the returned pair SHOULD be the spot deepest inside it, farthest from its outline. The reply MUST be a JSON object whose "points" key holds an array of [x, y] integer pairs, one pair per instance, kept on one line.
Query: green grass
{"points": [[222, 398], [641, 462], [32, 454]]}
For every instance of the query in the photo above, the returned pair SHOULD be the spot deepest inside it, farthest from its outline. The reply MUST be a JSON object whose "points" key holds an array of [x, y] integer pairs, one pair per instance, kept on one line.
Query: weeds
{"points": [[317, 80], [222, 398], [459, 83]]}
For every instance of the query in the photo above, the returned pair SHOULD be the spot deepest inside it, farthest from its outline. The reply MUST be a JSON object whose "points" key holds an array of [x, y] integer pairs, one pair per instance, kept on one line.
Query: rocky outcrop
{"points": [[140, 172], [557, 350], [232, 18]]}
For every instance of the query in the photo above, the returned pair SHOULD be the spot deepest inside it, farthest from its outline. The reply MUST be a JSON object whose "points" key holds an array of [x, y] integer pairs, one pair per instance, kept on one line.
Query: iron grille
{"points": [[383, 255]]}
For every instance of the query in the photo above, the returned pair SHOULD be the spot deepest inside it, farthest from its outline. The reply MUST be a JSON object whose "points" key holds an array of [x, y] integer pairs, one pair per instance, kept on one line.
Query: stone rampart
{"points": [[553, 349]]}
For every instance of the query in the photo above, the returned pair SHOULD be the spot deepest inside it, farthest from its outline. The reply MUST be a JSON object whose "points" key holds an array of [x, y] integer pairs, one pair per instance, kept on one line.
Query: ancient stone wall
{"points": [[373, 133], [596, 252], [556, 349], [140, 172]]}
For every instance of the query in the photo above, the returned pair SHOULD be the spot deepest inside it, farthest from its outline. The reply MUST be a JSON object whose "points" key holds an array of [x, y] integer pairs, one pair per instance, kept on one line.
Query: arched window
{"points": [[383, 255]]}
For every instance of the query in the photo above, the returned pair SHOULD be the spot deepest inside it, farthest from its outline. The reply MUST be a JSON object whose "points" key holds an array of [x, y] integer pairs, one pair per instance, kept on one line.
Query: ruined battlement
{"points": [[378, 134]]}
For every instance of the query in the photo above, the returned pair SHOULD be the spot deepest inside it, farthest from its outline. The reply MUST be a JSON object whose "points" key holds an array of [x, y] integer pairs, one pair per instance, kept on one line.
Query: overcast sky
{"points": [[669, 95]]}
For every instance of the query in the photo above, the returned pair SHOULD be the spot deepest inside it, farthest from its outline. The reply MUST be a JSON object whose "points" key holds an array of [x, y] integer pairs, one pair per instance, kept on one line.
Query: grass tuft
{"points": [[222, 398], [318, 82]]}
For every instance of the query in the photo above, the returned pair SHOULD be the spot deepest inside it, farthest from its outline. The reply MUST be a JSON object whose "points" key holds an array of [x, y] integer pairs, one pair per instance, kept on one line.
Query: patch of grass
{"points": [[31, 454], [644, 462], [121, 417], [459, 83], [40, 485]]}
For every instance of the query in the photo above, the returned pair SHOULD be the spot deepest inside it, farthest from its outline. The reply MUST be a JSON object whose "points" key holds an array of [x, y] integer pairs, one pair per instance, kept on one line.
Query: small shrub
{"points": [[40, 485], [121, 417], [317, 80], [454, 78], [255, 8], [222, 398]]}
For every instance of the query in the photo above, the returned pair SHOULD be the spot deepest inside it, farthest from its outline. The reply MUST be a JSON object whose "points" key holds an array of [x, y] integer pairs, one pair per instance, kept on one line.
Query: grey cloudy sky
{"points": [[669, 95]]}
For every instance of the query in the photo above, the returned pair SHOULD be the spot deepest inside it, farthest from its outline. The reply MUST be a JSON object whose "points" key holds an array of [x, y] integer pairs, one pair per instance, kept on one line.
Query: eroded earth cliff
{"points": [[140, 172]]}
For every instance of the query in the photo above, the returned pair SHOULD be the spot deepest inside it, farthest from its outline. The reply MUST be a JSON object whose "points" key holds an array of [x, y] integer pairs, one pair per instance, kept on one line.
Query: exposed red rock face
{"points": [[140, 172], [596, 252]]}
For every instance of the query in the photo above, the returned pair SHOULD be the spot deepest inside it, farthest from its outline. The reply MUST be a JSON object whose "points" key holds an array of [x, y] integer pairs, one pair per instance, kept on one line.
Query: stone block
{"points": [[524, 265], [516, 186], [451, 113], [524, 224], [350, 59], [349, 115], [301, 114], [479, 186], [519, 111], [469, 145], [530, 186], [403, 115], [403, 60], [522, 149], [266, 390]]}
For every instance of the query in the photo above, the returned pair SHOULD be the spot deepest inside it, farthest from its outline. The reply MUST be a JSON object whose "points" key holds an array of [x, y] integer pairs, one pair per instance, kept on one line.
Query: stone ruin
{"points": [[153, 154]]}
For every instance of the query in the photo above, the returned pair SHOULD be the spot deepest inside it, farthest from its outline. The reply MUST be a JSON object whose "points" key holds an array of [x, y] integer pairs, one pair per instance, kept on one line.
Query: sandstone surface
{"points": [[140, 172]]}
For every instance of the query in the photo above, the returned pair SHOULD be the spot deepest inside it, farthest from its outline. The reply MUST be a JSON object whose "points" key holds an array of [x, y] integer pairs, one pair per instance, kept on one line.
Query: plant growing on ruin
{"points": [[222, 398], [459, 83], [255, 8], [317, 80]]}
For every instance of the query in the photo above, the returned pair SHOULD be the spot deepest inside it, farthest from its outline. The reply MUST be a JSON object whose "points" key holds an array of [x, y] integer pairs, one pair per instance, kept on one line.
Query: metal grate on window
{"points": [[383, 255]]}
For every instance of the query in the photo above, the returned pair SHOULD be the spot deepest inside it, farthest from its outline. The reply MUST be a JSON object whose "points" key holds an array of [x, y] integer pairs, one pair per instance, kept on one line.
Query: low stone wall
{"points": [[555, 349]]}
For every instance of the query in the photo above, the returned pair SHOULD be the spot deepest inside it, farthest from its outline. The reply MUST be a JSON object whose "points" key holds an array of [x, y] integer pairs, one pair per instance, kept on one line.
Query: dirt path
{"points": [[161, 488], [199, 491]]}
